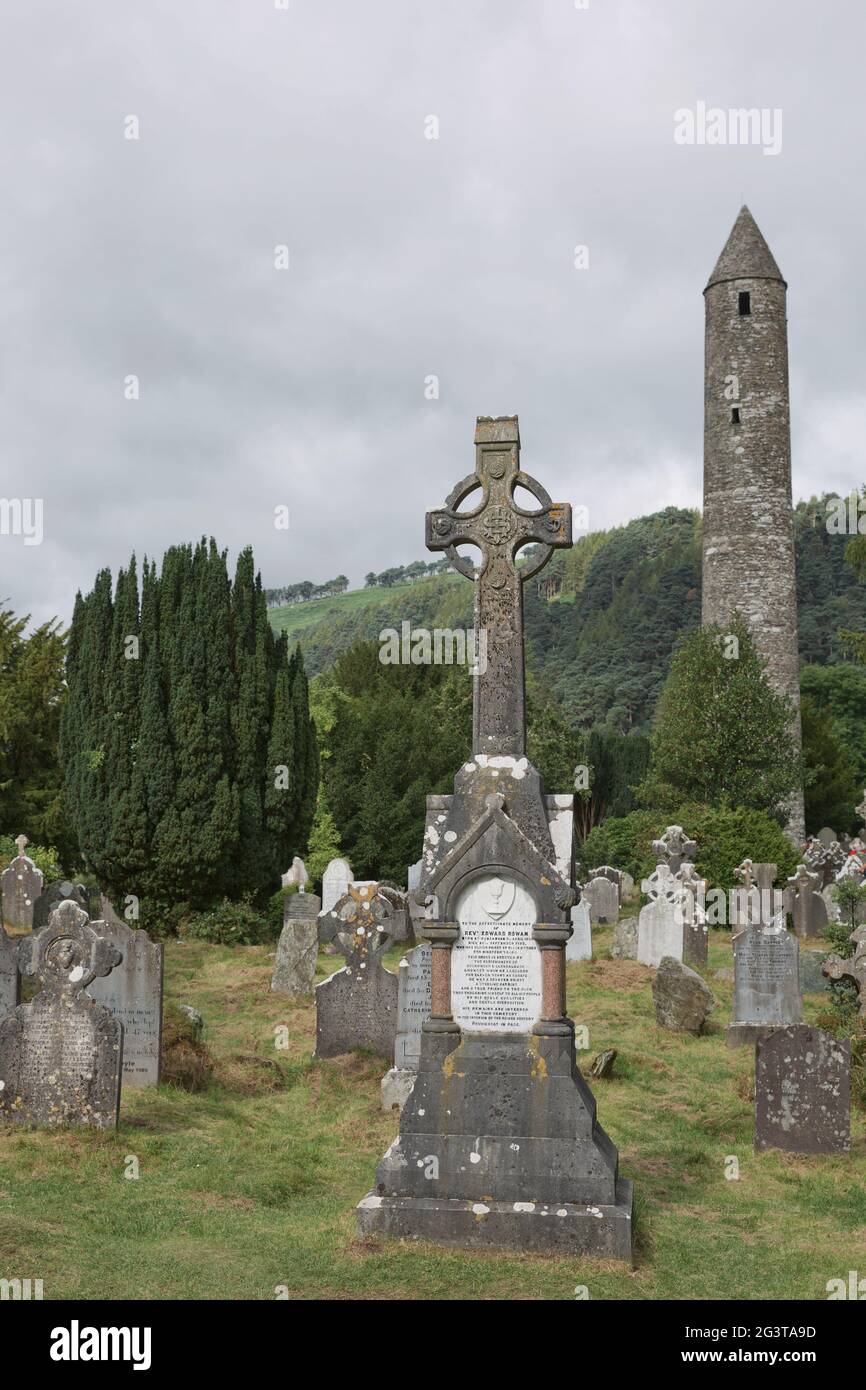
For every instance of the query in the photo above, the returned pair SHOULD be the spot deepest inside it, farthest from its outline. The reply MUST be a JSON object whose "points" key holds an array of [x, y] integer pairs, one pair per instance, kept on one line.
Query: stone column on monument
{"points": [[499, 1144]]}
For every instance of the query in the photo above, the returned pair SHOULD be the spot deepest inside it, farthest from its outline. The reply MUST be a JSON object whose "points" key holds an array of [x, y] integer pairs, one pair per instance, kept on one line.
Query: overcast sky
{"points": [[409, 257]]}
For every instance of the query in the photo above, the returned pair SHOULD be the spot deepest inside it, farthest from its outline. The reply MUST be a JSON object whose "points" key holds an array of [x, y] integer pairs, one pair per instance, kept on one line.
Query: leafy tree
{"points": [[399, 733], [722, 736], [31, 698], [324, 841], [832, 787]]}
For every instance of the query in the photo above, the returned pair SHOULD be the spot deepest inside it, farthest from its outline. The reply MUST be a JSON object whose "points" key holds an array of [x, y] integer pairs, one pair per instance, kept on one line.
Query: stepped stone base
{"points": [[748, 1034], [602, 1233], [499, 1146]]}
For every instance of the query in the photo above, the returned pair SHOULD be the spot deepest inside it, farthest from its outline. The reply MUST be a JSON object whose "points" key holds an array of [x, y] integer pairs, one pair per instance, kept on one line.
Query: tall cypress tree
{"points": [[171, 757]]}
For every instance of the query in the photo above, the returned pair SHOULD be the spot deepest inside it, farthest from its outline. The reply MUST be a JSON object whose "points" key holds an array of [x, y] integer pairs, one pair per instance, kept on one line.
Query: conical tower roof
{"points": [[746, 255]]}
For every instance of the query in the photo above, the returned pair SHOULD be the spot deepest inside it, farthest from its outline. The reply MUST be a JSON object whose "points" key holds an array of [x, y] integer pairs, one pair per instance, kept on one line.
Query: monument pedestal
{"points": [[507, 1114], [748, 1034]]}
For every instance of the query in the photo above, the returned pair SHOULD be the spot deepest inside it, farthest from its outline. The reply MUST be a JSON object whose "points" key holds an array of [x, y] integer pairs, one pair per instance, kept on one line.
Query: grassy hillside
{"points": [[602, 645], [251, 1184]]}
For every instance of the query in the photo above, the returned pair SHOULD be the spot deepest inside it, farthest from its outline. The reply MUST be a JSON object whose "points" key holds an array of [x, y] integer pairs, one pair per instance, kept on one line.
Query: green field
{"points": [[250, 1186], [295, 618]]}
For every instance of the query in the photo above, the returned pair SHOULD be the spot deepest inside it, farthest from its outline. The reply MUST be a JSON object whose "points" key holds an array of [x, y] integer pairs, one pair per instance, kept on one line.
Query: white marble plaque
{"points": [[495, 964]]}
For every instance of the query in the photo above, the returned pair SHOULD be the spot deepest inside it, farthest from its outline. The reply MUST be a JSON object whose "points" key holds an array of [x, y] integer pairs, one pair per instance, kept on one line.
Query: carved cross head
{"points": [[674, 844], [67, 954], [803, 881], [364, 923], [22, 842], [746, 873], [497, 525]]}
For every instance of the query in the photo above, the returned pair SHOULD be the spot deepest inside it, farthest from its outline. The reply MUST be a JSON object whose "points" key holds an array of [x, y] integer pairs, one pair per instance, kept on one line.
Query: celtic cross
{"points": [[499, 528], [22, 842]]}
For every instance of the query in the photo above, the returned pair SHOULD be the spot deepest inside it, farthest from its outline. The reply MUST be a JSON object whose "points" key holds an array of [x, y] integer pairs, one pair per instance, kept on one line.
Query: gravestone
{"points": [[335, 883], [60, 891], [20, 885], [133, 994], [826, 837], [626, 888], [693, 903], [579, 944], [297, 955], [765, 876], [766, 983], [414, 1001], [805, 904], [614, 875], [852, 868], [296, 874], [682, 1000], [661, 921], [851, 968], [625, 938], [9, 978], [834, 911], [812, 977], [357, 1005], [413, 875], [300, 907], [674, 848], [601, 897], [61, 1055], [803, 1091], [499, 1144]]}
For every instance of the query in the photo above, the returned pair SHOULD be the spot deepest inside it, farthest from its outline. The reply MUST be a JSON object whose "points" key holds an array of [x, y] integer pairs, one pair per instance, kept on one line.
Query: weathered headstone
{"points": [[765, 876], [683, 1001], [301, 907], [9, 977], [766, 983], [20, 885], [812, 977], [579, 944], [61, 1055], [626, 888], [602, 899], [834, 911], [413, 875], [826, 836], [296, 874], [60, 891], [851, 968], [674, 847], [357, 1005], [693, 903], [803, 1091], [807, 907], [852, 868], [297, 957], [499, 1143], [414, 1001], [625, 938], [133, 994], [335, 883], [661, 921]]}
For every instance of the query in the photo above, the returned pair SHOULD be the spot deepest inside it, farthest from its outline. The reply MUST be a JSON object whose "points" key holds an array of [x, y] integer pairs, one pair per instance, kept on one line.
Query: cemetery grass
{"points": [[249, 1186]]}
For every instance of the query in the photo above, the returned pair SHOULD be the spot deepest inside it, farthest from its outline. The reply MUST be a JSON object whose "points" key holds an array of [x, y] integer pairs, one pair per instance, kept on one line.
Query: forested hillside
{"points": [[602, 619]]}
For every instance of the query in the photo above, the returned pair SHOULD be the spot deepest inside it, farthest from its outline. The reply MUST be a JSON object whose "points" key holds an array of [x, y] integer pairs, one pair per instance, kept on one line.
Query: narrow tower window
{"points": [[735, 415], [745, 302]]}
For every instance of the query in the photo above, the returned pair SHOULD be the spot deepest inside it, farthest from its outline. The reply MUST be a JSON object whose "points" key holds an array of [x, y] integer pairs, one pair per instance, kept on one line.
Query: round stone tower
{"points": [[748, 530]]}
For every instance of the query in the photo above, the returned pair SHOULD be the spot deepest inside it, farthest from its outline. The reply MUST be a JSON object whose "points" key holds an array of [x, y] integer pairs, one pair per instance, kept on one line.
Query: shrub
{"points": [[44, 857], [229, 924], [725, 836]]}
